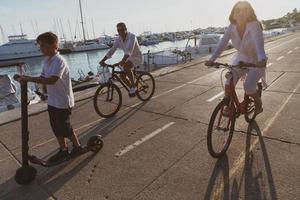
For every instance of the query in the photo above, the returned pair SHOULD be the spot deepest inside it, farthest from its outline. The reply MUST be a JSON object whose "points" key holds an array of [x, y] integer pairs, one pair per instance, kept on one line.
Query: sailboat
{"points": [[87, 45]]}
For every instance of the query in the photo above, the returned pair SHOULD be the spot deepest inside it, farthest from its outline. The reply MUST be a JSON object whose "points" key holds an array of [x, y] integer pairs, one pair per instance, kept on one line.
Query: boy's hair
{"points": [[122, 25], [48, 37]]}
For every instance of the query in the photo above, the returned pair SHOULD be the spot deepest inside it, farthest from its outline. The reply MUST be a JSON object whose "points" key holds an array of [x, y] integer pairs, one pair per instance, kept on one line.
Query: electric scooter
{"points": [[27, 173]]}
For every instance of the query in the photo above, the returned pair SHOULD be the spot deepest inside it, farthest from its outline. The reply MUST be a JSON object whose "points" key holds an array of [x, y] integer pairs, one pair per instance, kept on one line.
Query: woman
{"points": [[245, 32]]}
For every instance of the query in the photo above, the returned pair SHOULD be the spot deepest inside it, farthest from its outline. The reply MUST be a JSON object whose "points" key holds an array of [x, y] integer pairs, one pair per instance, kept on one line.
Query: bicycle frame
{"points": [[234, 100], [116, 76]]}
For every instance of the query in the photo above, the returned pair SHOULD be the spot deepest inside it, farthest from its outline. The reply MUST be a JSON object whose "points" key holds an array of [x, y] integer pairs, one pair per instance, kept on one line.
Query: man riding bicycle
{"points": [[132, 55]]}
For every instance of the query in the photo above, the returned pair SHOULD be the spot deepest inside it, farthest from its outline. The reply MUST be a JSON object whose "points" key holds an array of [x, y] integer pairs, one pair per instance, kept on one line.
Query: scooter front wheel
{"points": [[95, 143]]}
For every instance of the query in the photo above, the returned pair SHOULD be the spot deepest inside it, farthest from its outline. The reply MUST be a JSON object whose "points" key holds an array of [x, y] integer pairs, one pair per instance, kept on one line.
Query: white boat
{"points": [[107, 40], [203, 44], [162, 58], [19, 47], [89, 46]]}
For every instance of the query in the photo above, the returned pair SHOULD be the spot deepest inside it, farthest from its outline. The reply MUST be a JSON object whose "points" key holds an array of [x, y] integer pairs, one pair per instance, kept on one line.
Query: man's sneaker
{"points": [[76, 151], [60, 156], [132, 92]]}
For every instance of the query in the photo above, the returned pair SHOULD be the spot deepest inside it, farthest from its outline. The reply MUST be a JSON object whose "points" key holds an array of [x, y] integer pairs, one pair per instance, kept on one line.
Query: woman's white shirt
{"points": [[250, 48]]}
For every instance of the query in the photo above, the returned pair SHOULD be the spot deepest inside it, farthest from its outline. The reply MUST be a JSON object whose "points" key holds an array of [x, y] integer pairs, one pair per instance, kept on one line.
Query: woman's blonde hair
{"points": [[252, 16]]}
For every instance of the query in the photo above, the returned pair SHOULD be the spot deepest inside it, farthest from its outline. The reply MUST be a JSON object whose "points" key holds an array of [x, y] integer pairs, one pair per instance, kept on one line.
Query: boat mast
{"points": [[82, 25], [37, 27], [3, 34], [21, 28], [72, 38], [93, 28]]}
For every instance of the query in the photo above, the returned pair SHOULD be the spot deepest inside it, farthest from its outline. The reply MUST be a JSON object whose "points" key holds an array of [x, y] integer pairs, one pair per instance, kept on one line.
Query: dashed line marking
{"points": [[280, 58], [269, 65], [215, 97], [144, 139]]}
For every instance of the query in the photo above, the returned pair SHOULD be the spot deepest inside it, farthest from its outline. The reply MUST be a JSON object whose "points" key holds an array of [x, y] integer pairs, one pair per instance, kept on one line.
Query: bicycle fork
{"points": [[110, 93]]}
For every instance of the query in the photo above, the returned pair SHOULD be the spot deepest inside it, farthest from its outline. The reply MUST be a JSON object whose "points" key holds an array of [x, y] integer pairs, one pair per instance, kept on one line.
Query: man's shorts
{"points": [[136, 61], [60, 121]]}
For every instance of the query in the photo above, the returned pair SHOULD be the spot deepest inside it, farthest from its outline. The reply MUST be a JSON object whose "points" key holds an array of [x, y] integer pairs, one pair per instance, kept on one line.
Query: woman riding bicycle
{"points": [[245, 32]]}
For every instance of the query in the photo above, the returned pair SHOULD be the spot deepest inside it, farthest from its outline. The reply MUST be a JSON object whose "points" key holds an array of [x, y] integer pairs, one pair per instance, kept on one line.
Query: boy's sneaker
{"points": [[60, 156], [76, 151], [132, 92]]}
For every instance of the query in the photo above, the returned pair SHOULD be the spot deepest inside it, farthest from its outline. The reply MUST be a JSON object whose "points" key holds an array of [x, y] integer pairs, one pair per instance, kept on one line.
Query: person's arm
{"points": [[58, 68], [222, 44], [109, 54], [122, 62], [45, 81], [112, 50], [258, 38], [43, 75]]}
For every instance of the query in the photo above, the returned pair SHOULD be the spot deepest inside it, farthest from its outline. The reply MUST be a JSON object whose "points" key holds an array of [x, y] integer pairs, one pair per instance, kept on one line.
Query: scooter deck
{"points": [[38, 161]]}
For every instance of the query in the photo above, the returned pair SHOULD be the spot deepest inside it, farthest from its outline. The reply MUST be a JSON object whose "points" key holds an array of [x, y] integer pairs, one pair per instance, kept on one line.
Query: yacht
{"points": [[149, 41], [88, 45], [18, 46], [203, 44]]}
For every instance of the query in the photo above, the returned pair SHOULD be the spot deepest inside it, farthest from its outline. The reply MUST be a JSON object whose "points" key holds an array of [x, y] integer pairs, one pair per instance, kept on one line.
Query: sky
{"points": [[37, 16]]}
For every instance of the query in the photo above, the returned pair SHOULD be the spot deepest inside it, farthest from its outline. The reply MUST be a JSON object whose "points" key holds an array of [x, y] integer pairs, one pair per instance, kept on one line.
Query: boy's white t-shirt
{"points": [[60, 95]]}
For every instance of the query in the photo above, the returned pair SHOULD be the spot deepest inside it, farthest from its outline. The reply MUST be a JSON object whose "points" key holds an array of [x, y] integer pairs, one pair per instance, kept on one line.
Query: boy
{"points": [[55, 78]]}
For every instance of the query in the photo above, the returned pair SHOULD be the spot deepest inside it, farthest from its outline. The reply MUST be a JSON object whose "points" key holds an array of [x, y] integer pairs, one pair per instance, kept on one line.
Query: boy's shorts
{"points": [[60, 121]]}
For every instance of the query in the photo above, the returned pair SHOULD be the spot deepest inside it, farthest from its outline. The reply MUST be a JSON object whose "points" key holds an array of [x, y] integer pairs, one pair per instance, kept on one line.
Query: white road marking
{"points": [[296, 48], [280, 58], [269, 65], [214, 97], [283, 43], [290, 52], [144, 139]]}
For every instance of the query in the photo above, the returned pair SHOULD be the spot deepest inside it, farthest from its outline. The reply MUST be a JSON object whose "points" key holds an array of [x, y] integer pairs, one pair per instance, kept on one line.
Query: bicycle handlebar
{"points": [[240, 65], [111, 66]]}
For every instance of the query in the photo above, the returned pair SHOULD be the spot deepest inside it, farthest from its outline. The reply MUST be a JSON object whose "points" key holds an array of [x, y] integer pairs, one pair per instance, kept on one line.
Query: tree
{"points": [[295, 11]]}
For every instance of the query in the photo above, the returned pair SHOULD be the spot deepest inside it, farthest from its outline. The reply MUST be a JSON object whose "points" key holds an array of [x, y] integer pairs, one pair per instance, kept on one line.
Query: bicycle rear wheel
{"points": [[220, 130], [107, 100], [145, 86]]}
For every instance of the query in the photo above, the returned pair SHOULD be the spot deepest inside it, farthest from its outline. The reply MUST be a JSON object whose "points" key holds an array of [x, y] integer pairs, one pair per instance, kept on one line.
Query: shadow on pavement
{"points": [[219, 176], [257, 166], [50, 180], [256, 176]]}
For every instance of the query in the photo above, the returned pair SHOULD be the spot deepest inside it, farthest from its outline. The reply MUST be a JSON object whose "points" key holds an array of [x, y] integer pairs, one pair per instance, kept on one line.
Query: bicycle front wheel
{"points": [[107, 100], [220, 130], [145, 86]]}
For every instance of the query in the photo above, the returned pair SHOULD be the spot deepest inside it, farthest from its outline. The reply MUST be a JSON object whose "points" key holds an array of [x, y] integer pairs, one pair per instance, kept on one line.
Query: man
{"points": [[132, 55]]}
